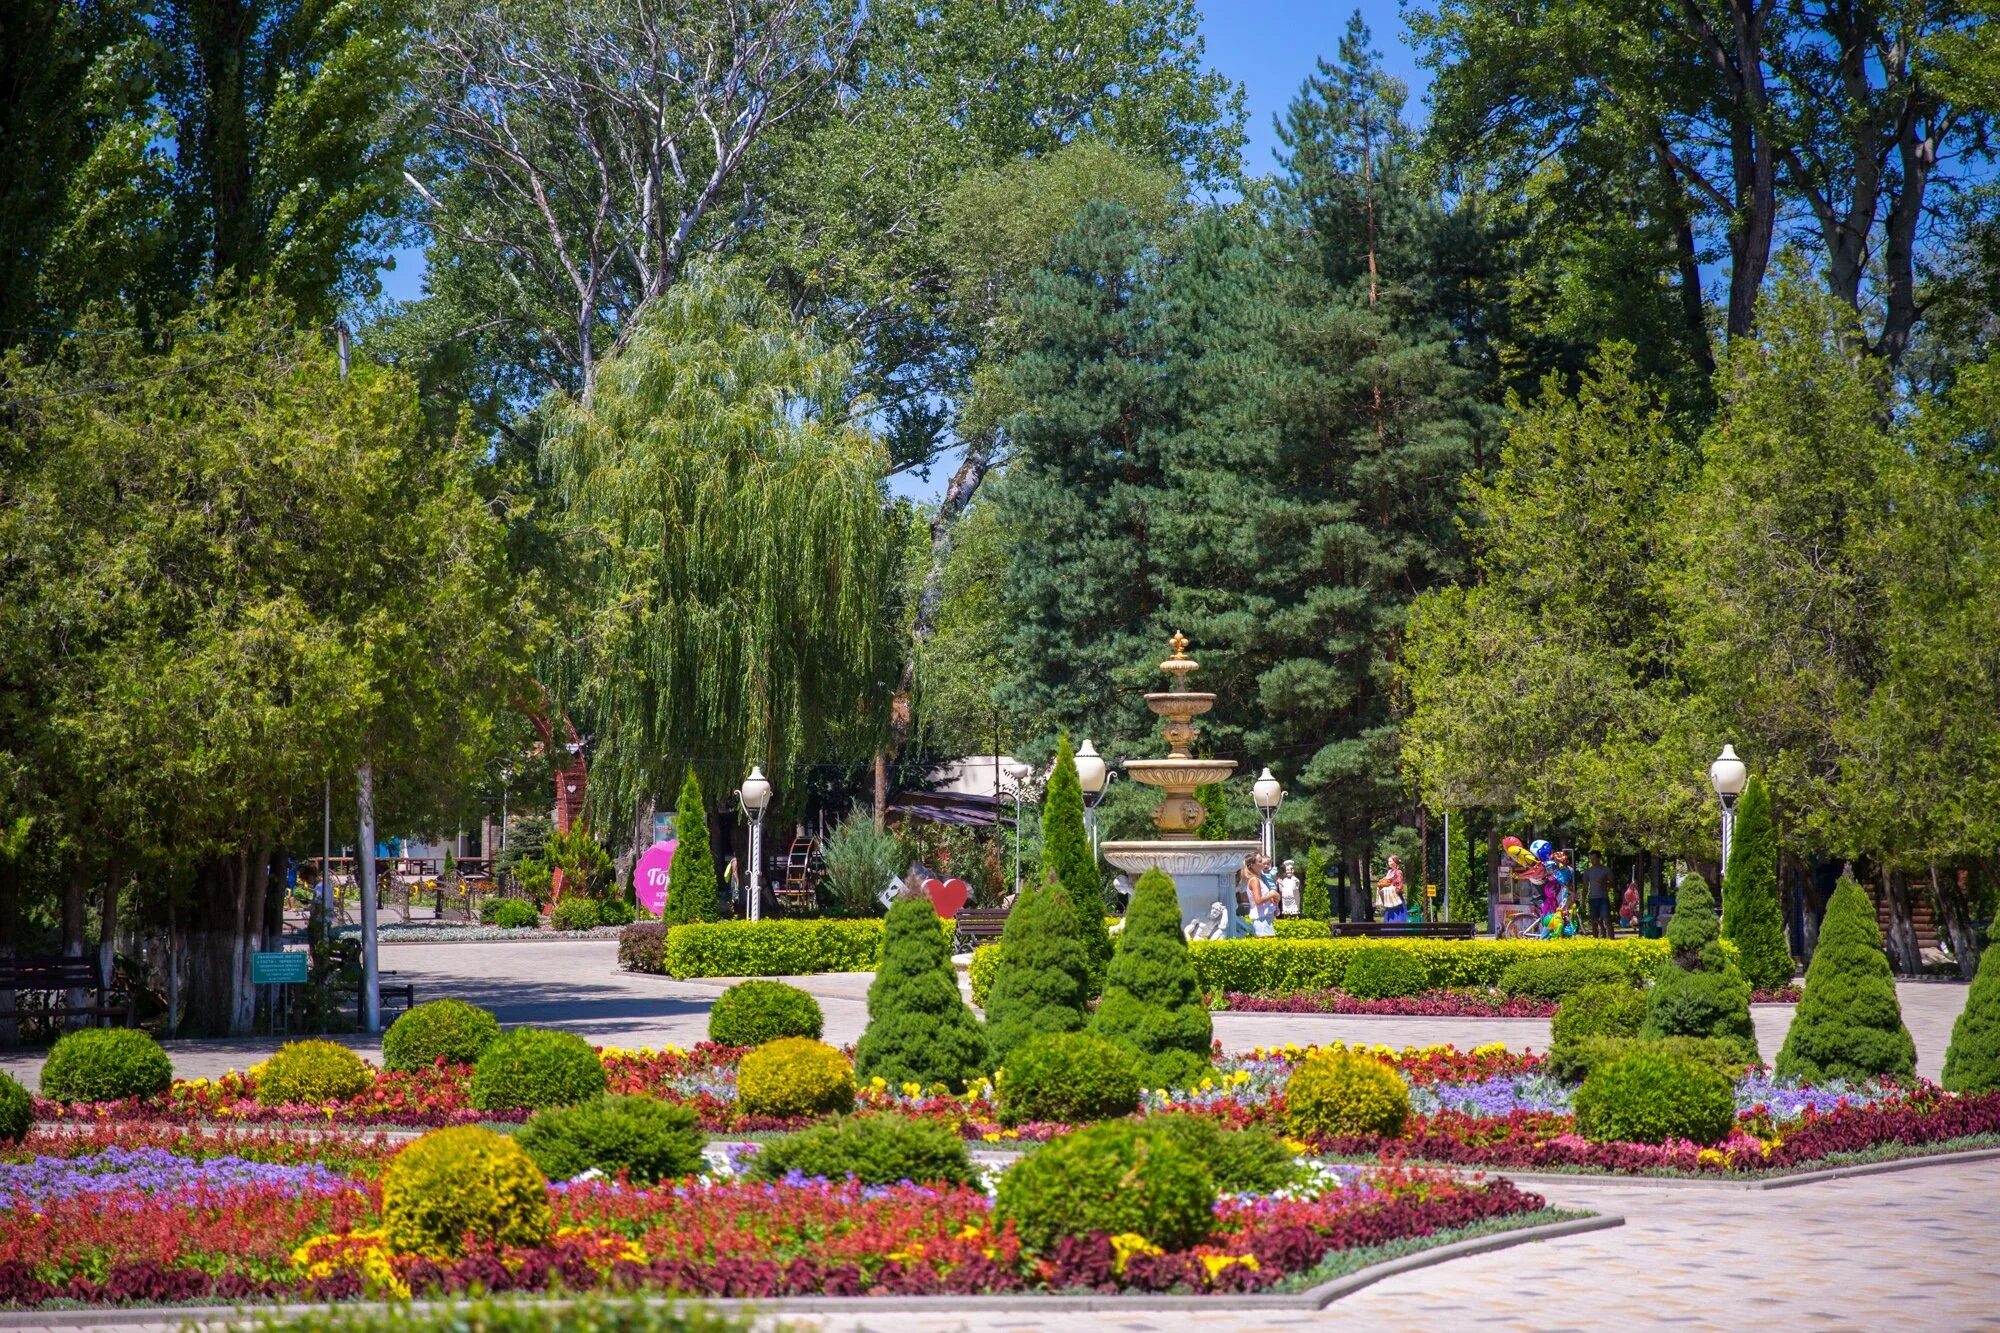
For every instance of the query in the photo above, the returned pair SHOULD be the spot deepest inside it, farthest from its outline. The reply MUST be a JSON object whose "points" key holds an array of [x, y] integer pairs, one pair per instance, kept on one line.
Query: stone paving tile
{"points": [[576, 984]]}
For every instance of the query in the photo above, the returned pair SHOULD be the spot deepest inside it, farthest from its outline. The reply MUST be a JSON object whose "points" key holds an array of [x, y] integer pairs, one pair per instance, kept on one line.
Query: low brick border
{"points": [[1788, 1180], [1313, 1298]]}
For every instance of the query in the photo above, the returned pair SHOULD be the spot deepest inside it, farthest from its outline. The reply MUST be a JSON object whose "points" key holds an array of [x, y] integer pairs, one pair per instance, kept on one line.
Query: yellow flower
{"points": [[992, 1136], [878, 1083], [968, 1232], [913, 1089], [1128, 1244], [909, 1253], [1216, 1264]]}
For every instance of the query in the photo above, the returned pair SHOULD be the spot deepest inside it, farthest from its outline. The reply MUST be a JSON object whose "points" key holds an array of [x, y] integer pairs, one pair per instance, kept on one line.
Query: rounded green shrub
{"points": [[646, 1138], [449, 1030], [1751, 917], [452, 1184], [1067, 1077], [533, 1068], [510, 914], [874, 1149], [1336, 1094], [1386, 973], [307, 1073], [616, 912], [1118, 1178], [1152, 1002], [575, 912], [1561, 974], [1043, 982], [1651, 1095], [920, 1029], [1609, 1009], [1972, 1061], [1698, 991], [1849, 1023], [17, 1111], [1580, 1058], [751, 1013], [795, 1076], [1241, 1161], [105, 1064]]}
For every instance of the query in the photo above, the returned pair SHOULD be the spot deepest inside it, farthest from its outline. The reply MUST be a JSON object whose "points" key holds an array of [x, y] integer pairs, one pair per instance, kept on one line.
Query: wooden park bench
{"points": [[48, 982], [390, 991], [1401, 930], [975, 926]]}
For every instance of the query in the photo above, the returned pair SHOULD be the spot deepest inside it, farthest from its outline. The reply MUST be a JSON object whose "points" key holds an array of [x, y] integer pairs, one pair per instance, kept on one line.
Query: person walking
{"points": [[1597, 888], [1389, 893]]}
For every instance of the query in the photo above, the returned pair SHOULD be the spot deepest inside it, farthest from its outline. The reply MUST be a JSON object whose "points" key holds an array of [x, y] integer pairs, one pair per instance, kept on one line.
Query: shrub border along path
{"points": [[1312, 1298]]}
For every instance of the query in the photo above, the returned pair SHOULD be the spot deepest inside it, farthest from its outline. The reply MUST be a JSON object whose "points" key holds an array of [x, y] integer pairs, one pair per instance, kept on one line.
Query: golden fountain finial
{"points": [[1178, 644]]}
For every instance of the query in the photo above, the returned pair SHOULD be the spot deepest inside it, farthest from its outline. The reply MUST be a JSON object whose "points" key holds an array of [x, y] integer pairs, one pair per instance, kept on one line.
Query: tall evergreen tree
{"points": [[691, 879], [1751, 918], [1698, 993], [1068, 857], [1972, 1061], [920, 1029], [1043, 984], [1315, 902]]}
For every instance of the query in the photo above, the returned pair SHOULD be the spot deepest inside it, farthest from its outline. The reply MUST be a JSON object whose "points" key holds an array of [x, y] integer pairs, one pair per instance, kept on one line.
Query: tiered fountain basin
{"points": [[1204, 873]]}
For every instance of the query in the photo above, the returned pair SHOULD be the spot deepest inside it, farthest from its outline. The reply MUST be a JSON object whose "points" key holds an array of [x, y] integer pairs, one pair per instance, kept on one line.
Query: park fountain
{"points": [[1204, 872]]}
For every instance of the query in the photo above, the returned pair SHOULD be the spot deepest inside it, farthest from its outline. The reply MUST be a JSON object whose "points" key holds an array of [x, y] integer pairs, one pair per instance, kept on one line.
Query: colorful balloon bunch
{"points": [[1540, 864]]}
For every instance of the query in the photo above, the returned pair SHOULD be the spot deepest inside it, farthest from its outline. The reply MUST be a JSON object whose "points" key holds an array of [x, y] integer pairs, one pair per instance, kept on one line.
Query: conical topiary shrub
{"points": [[1069, 860], [1698, 993], [1849, 1023], [1972, 1061], [691, 878], [1315, 900], [1152, 1001], [1751, 917], [919, 1028], [1043, 982]]}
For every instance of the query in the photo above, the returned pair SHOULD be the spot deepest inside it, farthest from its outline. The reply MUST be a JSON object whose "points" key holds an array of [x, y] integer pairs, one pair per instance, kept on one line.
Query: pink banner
{"points": [[649, 877]]}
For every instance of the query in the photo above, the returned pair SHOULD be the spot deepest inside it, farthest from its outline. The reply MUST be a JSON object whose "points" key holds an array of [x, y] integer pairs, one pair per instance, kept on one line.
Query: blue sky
{"points": [[1268, 46]]}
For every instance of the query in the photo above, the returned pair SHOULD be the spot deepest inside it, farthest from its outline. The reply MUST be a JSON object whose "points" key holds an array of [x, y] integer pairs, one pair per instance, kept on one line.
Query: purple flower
{"points": [[155, 1171]]}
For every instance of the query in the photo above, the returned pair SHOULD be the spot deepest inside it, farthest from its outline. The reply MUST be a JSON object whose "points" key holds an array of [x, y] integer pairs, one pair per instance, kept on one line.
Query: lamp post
{"points": [[1727, 775], [1017, 774], [754, 797], [1269, 796], [1095, 777]]}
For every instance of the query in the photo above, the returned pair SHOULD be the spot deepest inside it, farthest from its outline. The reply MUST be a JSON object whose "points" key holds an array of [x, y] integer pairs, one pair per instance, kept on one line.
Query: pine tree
{"points": [[1972, 1061], [1698, 992], [1849, 1023], [1152, 999], [1043, 983], [1067, 856], [1315, 900], [920, 1030], [1751, 917], [691, 879]]}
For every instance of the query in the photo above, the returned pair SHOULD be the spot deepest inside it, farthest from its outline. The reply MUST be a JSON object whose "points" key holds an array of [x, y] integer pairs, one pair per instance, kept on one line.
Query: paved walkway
{"points": [[1910, 1249], [576, 984]]}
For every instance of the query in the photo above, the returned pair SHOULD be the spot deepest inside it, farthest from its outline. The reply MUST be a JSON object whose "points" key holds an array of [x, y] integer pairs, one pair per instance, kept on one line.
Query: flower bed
{"points": [[180, 1229], [1431, 1004]]}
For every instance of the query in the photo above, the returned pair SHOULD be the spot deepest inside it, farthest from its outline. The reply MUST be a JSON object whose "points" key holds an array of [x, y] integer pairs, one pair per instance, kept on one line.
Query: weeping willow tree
{"points": [[732, 550]]}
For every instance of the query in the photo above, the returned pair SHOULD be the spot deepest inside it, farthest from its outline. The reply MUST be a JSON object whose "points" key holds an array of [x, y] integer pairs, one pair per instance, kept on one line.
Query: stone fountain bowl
{"points": [[1179, 774], [1175, 703]]}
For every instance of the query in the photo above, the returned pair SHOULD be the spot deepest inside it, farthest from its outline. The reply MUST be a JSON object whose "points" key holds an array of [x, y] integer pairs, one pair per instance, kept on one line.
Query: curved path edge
{"points": [[1313, 1298]]}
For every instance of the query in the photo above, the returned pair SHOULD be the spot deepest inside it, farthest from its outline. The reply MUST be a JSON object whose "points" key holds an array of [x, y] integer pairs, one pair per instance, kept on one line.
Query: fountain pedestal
{"points": [[1204, 873]]}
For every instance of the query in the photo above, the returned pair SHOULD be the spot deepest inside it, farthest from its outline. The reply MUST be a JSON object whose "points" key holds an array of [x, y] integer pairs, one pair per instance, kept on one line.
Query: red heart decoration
{"points": [[948, 897]]}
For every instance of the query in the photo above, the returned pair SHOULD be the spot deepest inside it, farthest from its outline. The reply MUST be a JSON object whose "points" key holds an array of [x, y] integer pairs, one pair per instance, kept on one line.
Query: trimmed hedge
{"points": [[758, 948], [1559, 975], [449, 1030], [648, 1139], [1151, 1002], [1849, 1023], [105, 1064], [1338, 1093], [1115, 1178], [1654, 1095], [874, 1149], [919, 1028], [17, 1111], [1287, 966], [1972, 1061], [1386, 973], [1067, 1077], [536, 1068], [751, 1013], [460, 1182], [304, 1073], [795, 1076]]}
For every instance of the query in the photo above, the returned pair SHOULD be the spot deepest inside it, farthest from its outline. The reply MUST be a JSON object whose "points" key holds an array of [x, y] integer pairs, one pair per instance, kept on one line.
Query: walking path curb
{"points": [[1313, 1298], [1596, 1179]]}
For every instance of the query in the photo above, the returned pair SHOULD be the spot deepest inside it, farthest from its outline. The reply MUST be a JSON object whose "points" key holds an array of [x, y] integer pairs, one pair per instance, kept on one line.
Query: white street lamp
{"points": [[1017, 774], [1728, 775], [1095, 777], [755, 797], [1269, 796]]}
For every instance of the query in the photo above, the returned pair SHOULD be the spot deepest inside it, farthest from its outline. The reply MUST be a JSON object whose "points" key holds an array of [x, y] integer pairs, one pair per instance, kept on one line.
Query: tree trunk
{"points": [[74, 887], [10, 931], [1694, 310], [227, 913], [107, 930], [1902, 934], [1955, 915], [1492, 869], [957, 498]]}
